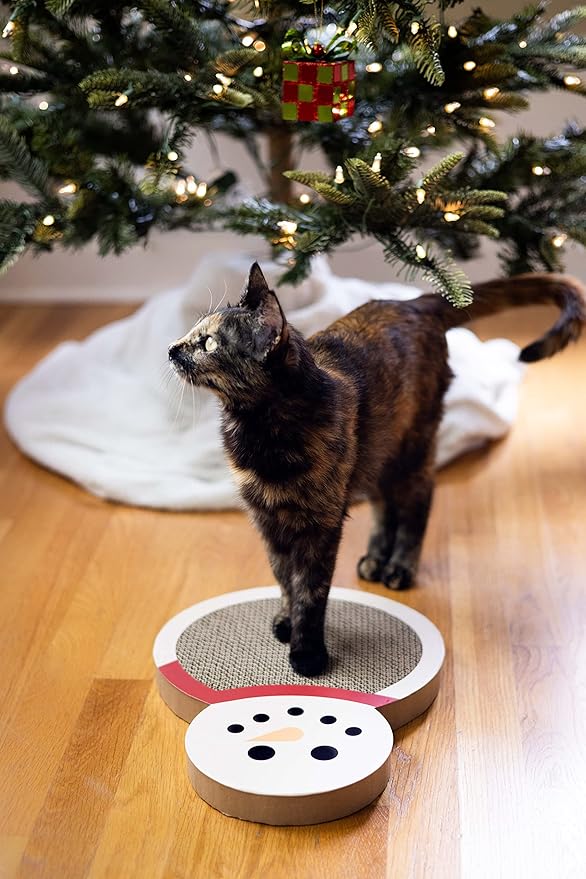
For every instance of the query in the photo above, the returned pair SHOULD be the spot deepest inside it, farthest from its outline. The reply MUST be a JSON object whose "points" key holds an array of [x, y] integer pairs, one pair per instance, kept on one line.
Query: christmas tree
{"points": [[100, 102]]}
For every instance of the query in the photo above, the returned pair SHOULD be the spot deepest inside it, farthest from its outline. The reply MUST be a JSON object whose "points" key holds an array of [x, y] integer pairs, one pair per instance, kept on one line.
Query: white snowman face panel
{"points": [[288, 745]]}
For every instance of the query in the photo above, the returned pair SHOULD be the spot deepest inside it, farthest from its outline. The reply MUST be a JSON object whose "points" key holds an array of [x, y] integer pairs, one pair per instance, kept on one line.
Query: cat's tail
{"points": [[566, 292]]}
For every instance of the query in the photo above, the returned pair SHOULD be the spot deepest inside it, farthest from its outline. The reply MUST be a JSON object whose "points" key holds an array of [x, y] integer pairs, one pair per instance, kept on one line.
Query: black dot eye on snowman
{"points": [[235, 728], [327, 719], [261, 718], [353, 731]]}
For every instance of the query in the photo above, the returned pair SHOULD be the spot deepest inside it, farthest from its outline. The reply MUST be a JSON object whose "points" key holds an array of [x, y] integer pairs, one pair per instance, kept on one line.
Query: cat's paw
{"points": [[282, 628], [309, 663], [370, 568], [396, 576]]}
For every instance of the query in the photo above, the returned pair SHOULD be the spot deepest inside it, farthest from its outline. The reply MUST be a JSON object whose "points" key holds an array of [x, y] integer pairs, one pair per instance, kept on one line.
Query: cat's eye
{"points": [[210, 344]]}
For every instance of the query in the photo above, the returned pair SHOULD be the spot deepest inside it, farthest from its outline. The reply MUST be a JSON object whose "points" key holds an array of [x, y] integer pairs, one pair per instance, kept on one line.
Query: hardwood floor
{"points": [[490, 782]]}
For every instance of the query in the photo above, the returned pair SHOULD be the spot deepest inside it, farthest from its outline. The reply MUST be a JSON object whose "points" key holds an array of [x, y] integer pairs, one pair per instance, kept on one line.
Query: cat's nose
{"points": [[178, 355]]}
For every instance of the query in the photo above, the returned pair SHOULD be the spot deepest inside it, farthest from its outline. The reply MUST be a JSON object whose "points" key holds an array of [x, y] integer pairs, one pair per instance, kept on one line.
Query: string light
{"points": [[430, 129], [191, 185], [259, 45], [202, 189], [218, 89], [376, 163], [415, 27], [420, 194], [559, 240], [43, 105], [469, 65], [374, 67], [172, 156], [225, 80], [187, 77], [68, 189], [420, 251], [452, 106], [248, 40], [540, 170], [180, 188], [304, 198], [48, 220], [121, 100], [10, 26], [352, 28], [257, 71], [491, 92], [452, 31], [570, 79], [288, 227], [339, 176], [451, 217], [14, 70], [523, 44], [412, 152], [375, 127], [485, 122]]}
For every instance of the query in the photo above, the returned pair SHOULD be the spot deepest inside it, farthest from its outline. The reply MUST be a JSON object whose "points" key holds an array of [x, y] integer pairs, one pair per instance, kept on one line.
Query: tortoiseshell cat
{"points": [[310, 425]]}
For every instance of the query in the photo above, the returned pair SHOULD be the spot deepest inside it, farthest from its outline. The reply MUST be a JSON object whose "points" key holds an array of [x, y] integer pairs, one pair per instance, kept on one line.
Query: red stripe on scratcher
{"points": [[177, 676]]}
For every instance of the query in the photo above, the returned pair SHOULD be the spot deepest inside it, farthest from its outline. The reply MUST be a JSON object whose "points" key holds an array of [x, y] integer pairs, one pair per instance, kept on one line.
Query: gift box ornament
{"points": [[318, 82]]}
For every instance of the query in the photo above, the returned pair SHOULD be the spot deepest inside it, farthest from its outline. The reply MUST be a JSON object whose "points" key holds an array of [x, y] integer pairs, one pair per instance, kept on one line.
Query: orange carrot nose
{"points": [[287, 734]]}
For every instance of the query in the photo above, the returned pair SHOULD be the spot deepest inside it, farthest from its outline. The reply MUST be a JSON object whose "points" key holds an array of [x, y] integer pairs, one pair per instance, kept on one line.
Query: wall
{"points": [[171, 258]]}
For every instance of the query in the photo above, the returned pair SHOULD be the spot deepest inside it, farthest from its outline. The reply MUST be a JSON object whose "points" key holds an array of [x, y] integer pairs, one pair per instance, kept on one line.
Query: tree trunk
{"points": [[280, 159]]}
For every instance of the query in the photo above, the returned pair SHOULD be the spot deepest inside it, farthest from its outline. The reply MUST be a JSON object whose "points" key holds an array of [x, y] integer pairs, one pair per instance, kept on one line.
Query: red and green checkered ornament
{"points": [[318, 82]]}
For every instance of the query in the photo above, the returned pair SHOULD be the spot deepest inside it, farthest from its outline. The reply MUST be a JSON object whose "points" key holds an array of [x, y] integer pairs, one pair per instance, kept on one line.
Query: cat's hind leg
{"points": [[412, 515], [381, 541]]}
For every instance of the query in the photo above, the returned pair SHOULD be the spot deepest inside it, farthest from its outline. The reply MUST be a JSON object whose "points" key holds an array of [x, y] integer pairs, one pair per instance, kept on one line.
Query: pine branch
{"points": [[17, 162]]}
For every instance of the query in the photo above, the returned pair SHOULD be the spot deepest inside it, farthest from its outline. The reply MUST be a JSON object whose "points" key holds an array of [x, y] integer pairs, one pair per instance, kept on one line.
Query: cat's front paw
{"points": [[396, 576], [282, 628], [309, 663]]}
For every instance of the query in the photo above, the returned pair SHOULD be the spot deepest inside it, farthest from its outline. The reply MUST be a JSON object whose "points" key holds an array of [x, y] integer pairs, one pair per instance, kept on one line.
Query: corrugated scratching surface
{"points": [[233, 647]]}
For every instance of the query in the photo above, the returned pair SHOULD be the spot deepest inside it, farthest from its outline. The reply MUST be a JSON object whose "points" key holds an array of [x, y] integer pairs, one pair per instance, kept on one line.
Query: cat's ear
{"points": [[256, 289]]}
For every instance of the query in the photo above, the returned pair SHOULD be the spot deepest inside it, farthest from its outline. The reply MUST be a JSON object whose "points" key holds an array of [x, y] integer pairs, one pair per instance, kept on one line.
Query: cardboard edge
{"points": [[290, 811]]}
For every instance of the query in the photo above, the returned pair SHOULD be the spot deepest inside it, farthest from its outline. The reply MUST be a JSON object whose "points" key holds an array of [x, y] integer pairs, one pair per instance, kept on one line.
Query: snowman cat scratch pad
{"points": [[382, 653]]}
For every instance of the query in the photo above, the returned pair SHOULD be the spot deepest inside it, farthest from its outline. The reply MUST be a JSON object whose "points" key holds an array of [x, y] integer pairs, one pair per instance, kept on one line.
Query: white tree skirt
{"points": [[106, 413]]}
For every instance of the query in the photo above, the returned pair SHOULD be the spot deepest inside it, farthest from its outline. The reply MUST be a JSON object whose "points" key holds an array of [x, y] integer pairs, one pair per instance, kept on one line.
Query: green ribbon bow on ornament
{"points": [[295, 47]]}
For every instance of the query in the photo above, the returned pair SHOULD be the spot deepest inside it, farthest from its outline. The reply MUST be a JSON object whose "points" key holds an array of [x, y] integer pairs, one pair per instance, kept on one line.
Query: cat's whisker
{"points": [[180, 402]]}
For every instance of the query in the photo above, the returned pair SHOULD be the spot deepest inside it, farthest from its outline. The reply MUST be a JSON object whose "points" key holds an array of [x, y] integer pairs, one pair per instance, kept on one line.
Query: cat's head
{"points": [[231, 351]]}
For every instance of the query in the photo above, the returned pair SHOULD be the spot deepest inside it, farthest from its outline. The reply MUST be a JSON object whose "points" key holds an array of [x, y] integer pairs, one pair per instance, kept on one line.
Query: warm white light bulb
{"points": [[451, 217], [420, 251], [180, 187], [376, 163], [8, 29], [374, 67], [68, 189], [412, 152], [121, 100], [202, 189], [172, 156], [304, 198], [248, 40], [187, 77], [375, 127], [352, 28], [288, 227], [225, 80], [523, 44], [260, 45], [43, 105], [218, 89], [452, 31], [452, 106], [257, 71], [559, 240], [420, 195], [191, 185], [469, 65], [485, 122], [491, 92], [339, 176], [570, 79], [48, 220], [430, 129], [14, 70], [415, 27], [540, 170]]}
